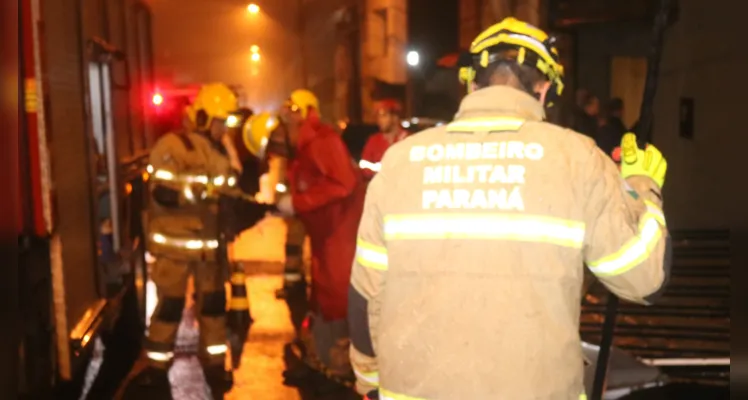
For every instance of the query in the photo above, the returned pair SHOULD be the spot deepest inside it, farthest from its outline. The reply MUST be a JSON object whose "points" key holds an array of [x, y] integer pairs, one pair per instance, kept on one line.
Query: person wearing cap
{"points": [[388, 112], [471, 249]]}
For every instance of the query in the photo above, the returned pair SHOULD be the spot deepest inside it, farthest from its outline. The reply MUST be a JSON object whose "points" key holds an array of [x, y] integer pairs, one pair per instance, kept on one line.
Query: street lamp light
{"points": [[254, 49], [255, 57], [253, 8], [413, 58]]}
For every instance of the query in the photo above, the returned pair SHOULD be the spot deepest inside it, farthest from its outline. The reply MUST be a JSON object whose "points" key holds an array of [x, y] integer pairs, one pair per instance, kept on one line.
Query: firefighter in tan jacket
{"points": [[188, 170], [466, 282]]}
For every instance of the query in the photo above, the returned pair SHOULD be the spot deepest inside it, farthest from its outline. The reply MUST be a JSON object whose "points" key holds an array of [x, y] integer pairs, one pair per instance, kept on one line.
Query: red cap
{"points": [[389, 105]]}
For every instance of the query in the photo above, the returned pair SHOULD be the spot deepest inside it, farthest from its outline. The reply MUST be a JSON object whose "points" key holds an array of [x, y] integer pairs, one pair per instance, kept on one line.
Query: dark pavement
{"points": [[263, 360]]}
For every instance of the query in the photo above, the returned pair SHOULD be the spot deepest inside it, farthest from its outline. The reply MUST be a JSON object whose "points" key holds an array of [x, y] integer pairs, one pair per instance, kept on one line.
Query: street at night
{"points": [[267, 352], [372, 199]]}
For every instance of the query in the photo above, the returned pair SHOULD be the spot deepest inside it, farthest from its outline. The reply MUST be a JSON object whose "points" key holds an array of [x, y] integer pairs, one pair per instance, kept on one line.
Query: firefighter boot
{"points": [[151, 383], [299, 376], [327, 385], [219, 380]]}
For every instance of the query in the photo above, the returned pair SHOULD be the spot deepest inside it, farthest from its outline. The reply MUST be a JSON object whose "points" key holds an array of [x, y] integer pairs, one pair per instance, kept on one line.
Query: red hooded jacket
{"points": [[328, 195]]}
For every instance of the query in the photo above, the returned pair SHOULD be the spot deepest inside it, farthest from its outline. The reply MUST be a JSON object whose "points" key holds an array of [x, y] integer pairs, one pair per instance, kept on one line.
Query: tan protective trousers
{"points": [[171, 277]]}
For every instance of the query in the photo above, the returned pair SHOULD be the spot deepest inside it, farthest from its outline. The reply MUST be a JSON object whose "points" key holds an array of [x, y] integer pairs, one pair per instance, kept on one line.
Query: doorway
{"points": [[627, 77]]}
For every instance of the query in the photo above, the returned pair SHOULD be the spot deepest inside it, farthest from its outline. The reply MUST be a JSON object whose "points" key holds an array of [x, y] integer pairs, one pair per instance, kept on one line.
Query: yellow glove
{"points": [[648, 162]]}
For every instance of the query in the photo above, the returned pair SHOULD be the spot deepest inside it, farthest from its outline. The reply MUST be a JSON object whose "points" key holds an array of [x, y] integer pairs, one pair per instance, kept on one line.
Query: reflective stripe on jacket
{"points": [[187, 163], [374, 150], [466, 283]]}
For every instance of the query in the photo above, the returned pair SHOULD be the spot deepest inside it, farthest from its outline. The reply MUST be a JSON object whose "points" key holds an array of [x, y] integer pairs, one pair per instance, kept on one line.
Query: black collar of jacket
{"points": [[501, 100]]}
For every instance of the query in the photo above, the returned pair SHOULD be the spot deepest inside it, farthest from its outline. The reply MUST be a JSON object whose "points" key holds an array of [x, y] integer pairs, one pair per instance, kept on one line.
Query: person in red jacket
{"points": [[391, 131], [327, 194]]}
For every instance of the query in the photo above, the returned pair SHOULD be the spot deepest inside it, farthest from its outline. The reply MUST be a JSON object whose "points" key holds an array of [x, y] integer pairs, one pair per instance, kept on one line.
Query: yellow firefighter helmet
{"points": [[302, 100], [534, 47], [257, 131], [216, 100]]}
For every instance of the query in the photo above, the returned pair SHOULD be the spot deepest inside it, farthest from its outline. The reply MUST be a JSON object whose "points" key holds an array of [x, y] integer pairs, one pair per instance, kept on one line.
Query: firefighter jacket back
{"points": [[471, 249], [186, 169]]}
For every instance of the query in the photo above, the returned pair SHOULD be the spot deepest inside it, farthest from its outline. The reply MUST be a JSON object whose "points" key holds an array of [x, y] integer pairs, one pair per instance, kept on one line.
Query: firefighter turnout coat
{"points": [[471, 249], [183, 237], [328, 194]]}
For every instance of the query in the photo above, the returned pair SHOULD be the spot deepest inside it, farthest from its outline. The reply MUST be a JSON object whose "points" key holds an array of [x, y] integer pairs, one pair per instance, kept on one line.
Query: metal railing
{"points": [[687, 332]]}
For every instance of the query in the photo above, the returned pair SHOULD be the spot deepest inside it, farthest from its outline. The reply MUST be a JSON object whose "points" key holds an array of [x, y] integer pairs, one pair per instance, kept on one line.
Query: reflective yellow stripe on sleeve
{"points": [[371, 256], [633, 252], [160, 356], [165, 175], [364, 164], [388, 395], [518, 227], [656, 212], [486, 124], [189, 244], [370, 378]]}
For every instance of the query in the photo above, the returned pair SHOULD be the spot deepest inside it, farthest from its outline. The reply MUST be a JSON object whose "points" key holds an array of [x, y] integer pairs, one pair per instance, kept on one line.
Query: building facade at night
{"points": [[354, 51]]}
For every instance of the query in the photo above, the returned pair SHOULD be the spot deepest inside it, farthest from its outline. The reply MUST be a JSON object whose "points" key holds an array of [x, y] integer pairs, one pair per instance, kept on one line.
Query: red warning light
{"points": [[158, 99]]}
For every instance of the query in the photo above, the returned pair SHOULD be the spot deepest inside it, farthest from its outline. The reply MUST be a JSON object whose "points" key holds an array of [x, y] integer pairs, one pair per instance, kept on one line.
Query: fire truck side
{"points": [[87, 82]]}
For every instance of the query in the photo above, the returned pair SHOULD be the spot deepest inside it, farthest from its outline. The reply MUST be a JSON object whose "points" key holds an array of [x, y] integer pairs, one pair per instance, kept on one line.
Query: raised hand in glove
{"points": [[635, 161], [285, 206]]}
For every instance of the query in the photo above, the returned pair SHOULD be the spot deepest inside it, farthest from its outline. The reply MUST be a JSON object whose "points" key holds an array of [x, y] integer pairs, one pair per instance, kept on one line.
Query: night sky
{"points": [[433, 30]]}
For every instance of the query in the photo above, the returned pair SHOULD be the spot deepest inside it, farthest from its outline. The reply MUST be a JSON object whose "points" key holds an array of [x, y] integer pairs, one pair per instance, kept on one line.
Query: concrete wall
{"points": [[328, 58], [705, 60], [704, 187], [384, 47]]}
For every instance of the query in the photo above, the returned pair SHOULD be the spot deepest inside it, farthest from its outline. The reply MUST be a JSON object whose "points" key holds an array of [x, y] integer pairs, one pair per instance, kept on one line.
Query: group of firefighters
{"points": [[446, 264]]}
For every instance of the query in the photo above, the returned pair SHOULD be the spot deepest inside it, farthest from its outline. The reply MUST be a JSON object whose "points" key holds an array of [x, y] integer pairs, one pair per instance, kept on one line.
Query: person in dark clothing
{"points": [[609, 136], [585, 118]]}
